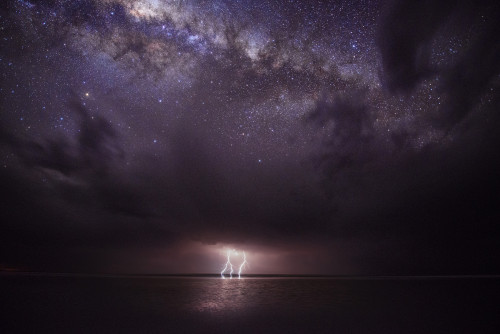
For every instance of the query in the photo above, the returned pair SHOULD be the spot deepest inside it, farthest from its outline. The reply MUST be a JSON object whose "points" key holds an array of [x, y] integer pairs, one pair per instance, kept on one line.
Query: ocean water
{"points": [[93, 304]]}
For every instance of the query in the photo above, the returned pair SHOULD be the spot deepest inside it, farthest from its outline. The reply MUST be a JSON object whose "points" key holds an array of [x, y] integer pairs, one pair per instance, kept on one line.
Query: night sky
{"points": [[321, 137]]}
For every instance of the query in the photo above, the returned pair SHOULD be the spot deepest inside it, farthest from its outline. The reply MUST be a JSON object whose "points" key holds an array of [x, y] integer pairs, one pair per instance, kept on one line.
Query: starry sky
{"points": [[321, 137]]}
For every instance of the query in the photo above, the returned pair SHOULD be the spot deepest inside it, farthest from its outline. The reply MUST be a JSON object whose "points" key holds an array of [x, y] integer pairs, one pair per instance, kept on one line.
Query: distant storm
{"points": [[320, 137]]}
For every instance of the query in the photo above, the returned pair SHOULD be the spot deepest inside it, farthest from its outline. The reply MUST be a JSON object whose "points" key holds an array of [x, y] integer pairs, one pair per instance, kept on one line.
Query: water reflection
{"points": [[250, 295], [250, 305], [223, 295]]}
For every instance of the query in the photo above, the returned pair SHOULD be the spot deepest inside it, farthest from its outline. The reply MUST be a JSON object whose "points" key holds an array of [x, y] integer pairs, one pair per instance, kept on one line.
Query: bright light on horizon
{"points": [[229, 266]]}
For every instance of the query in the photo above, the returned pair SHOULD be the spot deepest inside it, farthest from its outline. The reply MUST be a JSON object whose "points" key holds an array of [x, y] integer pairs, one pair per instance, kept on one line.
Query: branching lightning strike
{"points": [[229, 266], [243, 264]]}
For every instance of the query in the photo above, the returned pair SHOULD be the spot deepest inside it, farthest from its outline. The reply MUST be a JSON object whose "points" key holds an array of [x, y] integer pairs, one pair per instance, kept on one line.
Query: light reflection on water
{"points": [[223, 296], [248, 305]]}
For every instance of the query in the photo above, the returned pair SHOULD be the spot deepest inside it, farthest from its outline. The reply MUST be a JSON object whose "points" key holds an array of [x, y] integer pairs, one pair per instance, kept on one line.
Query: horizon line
{"points": [[48, 273]]}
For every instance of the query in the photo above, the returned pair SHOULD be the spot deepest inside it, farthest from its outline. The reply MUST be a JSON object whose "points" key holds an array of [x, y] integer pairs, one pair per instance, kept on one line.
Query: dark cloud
{"points": [[190, 194], [405, 35], [474, 74], [94, 149], [349, 141], [406, 38]]}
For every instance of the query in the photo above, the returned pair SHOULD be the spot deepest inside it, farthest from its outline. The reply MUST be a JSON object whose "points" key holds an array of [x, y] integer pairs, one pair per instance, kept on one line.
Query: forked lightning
{"points": [[229, 266]]}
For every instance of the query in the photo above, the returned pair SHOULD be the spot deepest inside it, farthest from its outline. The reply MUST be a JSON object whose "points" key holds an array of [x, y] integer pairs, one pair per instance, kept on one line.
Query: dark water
{"points": [[65, 304]]}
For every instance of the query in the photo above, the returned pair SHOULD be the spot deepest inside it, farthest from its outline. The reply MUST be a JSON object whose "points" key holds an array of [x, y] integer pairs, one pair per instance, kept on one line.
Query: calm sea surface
{"points": [[73, 304]]}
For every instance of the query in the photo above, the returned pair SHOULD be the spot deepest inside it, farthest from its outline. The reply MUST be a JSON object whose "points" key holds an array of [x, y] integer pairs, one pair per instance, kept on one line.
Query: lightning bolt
{"points": [[242, 265], [228, 264]]}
